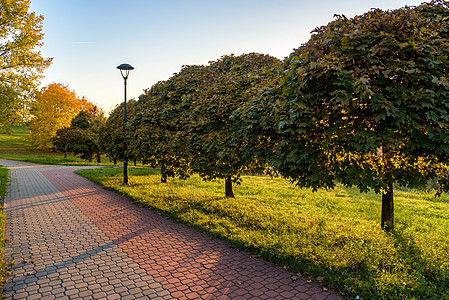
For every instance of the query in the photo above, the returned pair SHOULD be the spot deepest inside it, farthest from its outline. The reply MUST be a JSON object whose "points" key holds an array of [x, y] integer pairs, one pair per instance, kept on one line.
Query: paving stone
{"points": [[45, 226], [93, 243]]}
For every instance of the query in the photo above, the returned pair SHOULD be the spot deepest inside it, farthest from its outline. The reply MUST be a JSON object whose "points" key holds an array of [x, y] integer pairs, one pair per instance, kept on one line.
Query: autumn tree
{"points": [[366, 103], [53, 108], [83, 136], [20, 63]]}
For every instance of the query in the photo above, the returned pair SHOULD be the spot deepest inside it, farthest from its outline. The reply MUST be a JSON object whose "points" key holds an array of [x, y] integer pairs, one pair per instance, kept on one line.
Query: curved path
{"points": [[71, 239]]}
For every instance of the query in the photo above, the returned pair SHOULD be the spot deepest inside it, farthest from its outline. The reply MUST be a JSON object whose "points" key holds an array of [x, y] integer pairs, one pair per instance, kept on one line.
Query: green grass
{"points": [[17, 146], [332, 236], [3, 182]]}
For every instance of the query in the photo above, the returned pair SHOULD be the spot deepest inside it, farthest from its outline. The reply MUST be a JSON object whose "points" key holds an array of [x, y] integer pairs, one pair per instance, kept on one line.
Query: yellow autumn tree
{"points": [[54, 108]]}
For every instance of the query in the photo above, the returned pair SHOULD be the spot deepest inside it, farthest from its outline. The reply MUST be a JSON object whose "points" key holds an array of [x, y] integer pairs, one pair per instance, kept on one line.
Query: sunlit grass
{"points": [[332, 235], [3, 182]]}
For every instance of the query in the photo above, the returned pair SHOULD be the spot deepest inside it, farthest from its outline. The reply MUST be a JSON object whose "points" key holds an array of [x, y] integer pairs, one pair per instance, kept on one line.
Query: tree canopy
{"points": [[83, 136], [112, 137], [366, 103], [217, 145], [54, 108], [20, 63], [188, 122], [159, 137]]}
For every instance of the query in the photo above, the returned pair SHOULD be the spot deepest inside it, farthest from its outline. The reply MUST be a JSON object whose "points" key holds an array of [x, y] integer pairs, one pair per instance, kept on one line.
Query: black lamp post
{"points": [[124, 70]]}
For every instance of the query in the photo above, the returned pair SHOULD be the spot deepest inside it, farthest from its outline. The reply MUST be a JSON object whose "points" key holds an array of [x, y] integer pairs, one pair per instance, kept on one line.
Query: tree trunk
{"points": [[90, 157], [387, 222], [228, 187], [98, 157], [163, 173], [115, 161], [135, 162]]}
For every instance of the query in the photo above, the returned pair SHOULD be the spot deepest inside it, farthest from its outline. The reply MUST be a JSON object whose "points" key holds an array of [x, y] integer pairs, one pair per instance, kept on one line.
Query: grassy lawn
{"points": [[3, 182], [16, 146], [331, 236]]}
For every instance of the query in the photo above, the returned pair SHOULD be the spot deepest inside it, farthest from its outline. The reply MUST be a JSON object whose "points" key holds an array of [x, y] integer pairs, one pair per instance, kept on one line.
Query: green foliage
{"points": [[159, 138], [188, 123], [3, 182], [111, 137], [83, 136], [216, 143], [366, 101], [329, 235], [20, 63]]}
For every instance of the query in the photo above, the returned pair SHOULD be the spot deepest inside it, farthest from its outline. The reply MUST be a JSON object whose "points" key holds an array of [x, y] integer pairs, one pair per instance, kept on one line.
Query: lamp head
{"points": [[126, 68]]}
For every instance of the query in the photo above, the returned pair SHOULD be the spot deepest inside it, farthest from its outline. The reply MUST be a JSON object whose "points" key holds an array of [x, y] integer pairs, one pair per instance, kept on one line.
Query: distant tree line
{"points": [[364, 102]]}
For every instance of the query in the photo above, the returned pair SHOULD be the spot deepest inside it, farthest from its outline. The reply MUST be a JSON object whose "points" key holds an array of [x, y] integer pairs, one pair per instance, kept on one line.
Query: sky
{"points": [[88, 39]]}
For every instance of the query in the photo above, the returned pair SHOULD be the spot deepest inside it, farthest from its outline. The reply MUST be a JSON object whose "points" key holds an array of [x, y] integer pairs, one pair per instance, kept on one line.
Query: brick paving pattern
{"points": [[72, 239]]}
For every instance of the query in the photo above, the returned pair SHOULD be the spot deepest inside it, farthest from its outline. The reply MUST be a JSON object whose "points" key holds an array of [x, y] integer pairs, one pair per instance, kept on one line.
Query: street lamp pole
{"points": [[124, 70]]}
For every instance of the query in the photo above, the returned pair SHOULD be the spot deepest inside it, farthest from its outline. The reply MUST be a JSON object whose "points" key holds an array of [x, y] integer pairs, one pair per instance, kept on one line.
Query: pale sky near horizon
{"points": [[88, 39]]}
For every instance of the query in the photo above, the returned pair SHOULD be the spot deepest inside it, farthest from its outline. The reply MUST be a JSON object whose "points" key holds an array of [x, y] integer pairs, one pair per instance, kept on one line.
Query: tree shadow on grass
{"points": [[431, 278]]}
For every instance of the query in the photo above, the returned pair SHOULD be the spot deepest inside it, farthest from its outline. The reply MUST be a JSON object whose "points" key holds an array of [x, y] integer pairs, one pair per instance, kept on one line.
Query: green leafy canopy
{"points": [[366, 101]]}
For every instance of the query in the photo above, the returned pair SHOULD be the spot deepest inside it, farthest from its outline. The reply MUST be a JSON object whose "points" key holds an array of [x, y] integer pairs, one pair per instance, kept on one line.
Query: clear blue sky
{"points": [[90, 38]]}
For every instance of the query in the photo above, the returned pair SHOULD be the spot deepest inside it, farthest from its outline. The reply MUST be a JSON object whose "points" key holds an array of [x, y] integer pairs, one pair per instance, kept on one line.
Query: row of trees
{"points": [[364, 102], [188, 123]]}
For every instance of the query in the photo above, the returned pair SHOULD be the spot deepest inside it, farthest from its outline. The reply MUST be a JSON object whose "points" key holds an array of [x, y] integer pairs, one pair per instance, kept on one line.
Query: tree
{"points": [[112, 136], [82, 137], [20, 64], [366, 102], [54, 108], [189, 122], [163, 111], [216, 144]]}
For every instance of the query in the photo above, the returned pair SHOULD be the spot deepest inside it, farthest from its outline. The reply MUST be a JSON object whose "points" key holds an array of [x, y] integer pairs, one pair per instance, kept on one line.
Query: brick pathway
{"points": [[72, 239]]}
